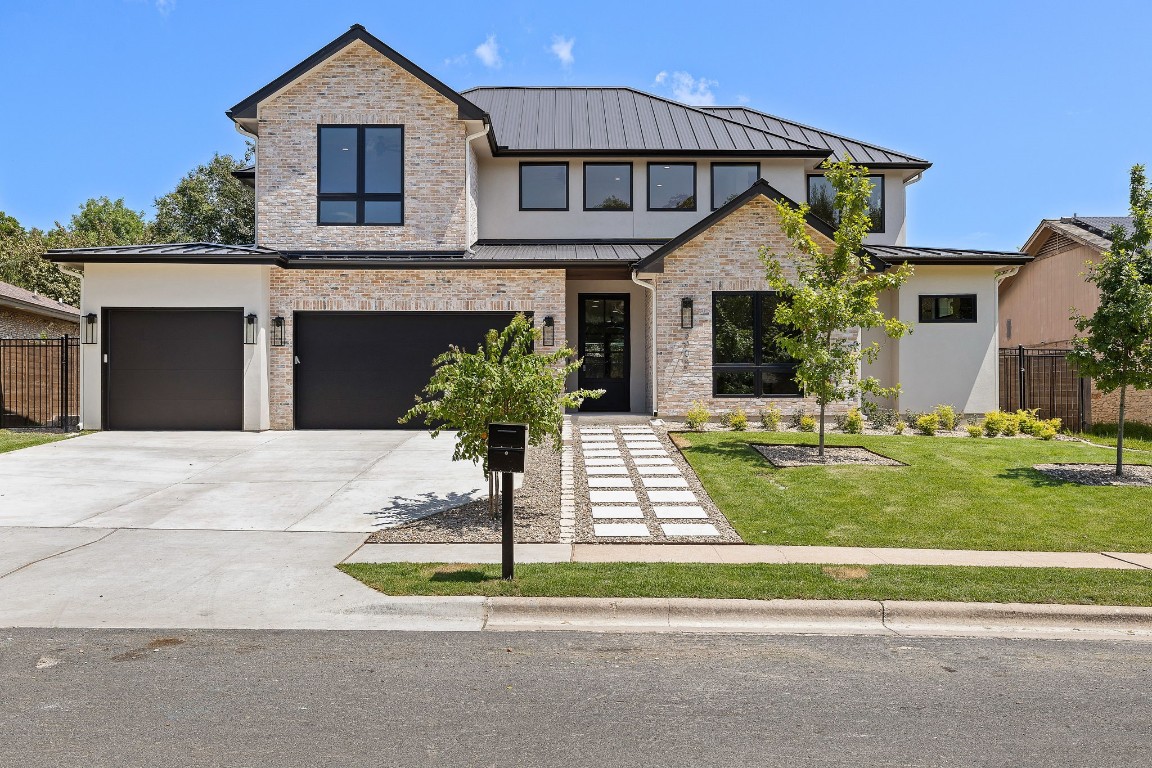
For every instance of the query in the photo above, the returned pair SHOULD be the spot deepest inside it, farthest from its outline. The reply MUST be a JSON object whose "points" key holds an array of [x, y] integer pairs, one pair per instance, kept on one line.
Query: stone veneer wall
{"points": [[392, 290], [435, 207], [723, 258], [15, 324], [1105, 408]]}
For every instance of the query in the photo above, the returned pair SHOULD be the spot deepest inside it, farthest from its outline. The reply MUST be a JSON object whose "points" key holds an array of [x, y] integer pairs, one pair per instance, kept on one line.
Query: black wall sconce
{"points": [[89, 328], [686, 312], [549, 331], [249, 329], [278, 339]]}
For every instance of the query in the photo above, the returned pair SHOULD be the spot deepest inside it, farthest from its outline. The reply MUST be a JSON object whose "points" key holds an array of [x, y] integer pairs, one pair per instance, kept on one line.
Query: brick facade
{"points": [[385, 290], [360, 86], [15, 324], [1105, 408], [722, 258]]}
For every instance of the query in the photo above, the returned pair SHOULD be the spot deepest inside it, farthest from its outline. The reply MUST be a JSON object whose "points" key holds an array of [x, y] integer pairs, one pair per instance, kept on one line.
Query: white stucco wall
{"points": [[178, 286], [951, 363], [637, 335]]}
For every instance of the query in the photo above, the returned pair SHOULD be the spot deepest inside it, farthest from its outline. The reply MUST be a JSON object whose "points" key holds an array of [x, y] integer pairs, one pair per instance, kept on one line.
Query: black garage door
{"points": [[174, 369], [363, 370]]}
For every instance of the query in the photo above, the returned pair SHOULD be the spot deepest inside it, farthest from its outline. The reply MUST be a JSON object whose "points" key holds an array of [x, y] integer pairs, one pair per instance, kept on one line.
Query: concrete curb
{"points": [[823, 617]]}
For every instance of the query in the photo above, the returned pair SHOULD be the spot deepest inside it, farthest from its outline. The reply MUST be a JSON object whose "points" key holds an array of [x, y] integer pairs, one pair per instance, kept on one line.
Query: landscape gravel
{"points": [[1098, 474], [782, 456]]}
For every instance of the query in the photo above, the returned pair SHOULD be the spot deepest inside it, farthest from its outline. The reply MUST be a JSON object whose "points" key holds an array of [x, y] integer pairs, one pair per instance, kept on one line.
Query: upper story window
{"points": [[746, 360], [822, 201], [730, 179], [948, 309], [671, 186], [360, 174], [607, 186], [543, 186]]}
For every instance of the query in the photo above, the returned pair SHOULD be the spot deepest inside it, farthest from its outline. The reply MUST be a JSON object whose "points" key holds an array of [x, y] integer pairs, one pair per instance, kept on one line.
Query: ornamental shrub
{"points": [[854, 421], [770, 418], [807, 423], [994, 423], [736, 420], [1028, 420], [1011, 426], [1045, 430], [946, 415], [696, 417], [974, 430], [928, 424], [899, 427]]}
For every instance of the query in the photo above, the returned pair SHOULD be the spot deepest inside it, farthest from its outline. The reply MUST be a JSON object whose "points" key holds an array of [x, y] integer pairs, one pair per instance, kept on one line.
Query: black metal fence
{"points": [[1044, 379], [40, 383]]}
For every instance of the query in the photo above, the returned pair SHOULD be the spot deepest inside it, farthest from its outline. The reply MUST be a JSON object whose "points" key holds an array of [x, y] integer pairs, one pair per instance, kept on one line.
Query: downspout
{"points": [[652, 323], [468, 176]]}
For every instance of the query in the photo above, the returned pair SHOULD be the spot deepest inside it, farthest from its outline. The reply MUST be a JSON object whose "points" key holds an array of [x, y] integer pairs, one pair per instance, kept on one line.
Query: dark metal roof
{"points": [[573, 251], [901, 254], [1102, 225], [840, 146], [174, 253], [620, 121], [246, 109]]}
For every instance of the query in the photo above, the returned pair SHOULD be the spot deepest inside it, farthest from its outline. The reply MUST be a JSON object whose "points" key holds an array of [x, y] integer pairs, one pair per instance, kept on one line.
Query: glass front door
{"points": [[604, 350]]}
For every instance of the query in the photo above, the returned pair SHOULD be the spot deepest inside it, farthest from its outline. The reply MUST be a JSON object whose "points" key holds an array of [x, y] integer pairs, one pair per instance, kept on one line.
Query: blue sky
{"points": [[1023, 107]]}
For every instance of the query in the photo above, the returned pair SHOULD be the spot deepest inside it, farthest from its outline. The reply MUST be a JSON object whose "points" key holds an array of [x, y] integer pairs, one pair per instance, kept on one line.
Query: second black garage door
{"points": [[362, 370]]}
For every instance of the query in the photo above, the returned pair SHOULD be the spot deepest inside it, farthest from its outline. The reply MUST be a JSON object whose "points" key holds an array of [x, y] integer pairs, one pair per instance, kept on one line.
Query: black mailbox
{"points": [[506, 446]]}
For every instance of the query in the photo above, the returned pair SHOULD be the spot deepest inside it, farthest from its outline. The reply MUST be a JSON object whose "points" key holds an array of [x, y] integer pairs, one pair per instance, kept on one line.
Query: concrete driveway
{"points": [[242, 481]]}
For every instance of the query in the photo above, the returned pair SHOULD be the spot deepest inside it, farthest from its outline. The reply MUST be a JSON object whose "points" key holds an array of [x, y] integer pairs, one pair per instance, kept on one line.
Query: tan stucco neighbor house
{"points": [[396, 216]]}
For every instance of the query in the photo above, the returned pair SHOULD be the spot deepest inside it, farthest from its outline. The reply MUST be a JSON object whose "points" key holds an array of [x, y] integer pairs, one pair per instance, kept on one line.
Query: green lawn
{"points": [[763, 582], [12, 441], [955, 493], [1137, 436]]}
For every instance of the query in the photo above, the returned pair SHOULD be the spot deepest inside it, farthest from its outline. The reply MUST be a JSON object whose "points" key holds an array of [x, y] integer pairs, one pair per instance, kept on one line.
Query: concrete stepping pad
{"points": [[680, 513], [609, 482], [657, 497], [647, 451], [606, 461], [664, 482], [636, 530], [613, 497], [689, 529], [617, 512], [601, 453], [642, 462], [619, 470], [658, 469]]}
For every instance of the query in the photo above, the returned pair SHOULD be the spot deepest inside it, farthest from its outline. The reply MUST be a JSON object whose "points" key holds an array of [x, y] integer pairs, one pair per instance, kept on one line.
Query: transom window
{"points": [[746, 359], [607, 186], [730, 179], [822, 201], [543, 186], [948, 309], [671, 186], [360, 170]]}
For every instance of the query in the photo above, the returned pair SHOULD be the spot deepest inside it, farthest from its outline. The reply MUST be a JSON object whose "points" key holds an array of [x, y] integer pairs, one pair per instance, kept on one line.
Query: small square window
{"points": [[607, 186], [360, 175], [543, 186], [671, 186], [730, 179], [822, 201]]}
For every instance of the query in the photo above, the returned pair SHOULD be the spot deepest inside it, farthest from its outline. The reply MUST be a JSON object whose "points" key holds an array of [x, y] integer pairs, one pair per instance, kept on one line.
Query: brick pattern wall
{"points": [[723, 258], [15, 324], [385, 290], [360, 86], [1105, 408]]}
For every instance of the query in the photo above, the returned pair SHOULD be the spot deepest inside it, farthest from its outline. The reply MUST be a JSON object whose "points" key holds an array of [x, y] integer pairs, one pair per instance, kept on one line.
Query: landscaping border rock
{"points": [[1137, 475], [782, 455]]}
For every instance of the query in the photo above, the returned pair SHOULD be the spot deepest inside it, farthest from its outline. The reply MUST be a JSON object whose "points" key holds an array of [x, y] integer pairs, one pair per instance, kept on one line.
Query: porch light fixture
{"points": [[549, 331], [250, 329], [686, 312], [278, 332], [89, 328]]}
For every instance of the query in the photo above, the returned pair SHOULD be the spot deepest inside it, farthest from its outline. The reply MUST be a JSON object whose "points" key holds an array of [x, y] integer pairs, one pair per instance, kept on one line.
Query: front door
{"points": [[603, 343]]}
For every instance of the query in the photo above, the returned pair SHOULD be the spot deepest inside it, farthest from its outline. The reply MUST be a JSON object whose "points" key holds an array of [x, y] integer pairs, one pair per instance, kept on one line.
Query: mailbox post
{"points": [[507, 444]]}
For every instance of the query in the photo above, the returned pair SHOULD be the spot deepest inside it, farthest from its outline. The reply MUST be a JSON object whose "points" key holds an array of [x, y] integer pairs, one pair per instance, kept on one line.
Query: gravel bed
{"points": [[1098, 474], [584, 520], [536, 512], [807, 456]]}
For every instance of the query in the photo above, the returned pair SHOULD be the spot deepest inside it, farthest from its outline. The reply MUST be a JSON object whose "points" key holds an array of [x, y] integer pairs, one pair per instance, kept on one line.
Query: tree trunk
{"points": [[823, 405], [1120, 434]]}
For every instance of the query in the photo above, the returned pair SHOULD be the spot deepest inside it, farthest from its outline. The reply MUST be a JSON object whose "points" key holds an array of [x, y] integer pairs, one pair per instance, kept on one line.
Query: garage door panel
{"points": [[158, 384]]}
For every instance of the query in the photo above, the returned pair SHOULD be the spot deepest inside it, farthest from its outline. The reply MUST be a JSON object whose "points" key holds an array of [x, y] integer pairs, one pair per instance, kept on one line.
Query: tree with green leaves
{"points": [[103, 221], [503, 381], [830, 294], [209, 205], [1116, 350]]}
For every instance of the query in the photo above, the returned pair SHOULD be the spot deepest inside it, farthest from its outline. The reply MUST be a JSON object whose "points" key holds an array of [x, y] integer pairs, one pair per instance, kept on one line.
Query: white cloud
{"points": [[456, 61], [661, 76], [489, 53], [165, 7], [742, 99], [562, 49], [690, 90]]}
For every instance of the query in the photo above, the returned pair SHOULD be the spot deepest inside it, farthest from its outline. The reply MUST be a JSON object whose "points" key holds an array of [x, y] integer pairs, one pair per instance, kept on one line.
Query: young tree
{"points": [[209, 205], [1117, 348], [503, 381], [832, 294]]}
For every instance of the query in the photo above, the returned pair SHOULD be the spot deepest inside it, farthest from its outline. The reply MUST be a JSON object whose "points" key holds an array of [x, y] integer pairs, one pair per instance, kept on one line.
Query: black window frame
{"points": [[567, 184], [757, 366], [631, 188], [936, 319], [359, 197], [695, 189], [712, 178], [883, 199]]}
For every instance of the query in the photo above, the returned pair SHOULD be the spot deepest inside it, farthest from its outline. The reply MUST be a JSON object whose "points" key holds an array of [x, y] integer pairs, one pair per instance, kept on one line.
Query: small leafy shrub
{"points": [[770, 418], [1045, 430], [946, 415], [928, 424], [1011, 426], [899, 427], [854, 422], [878, 416], [974, 430], [696, 417], [797, 419], [736, 420], [1054, 423], [807, 423], [1028, 420], [994, 423]]}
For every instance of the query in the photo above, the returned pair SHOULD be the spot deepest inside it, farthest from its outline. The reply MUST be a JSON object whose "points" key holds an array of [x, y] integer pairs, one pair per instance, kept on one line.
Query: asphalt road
{"points": [[243, 699]]}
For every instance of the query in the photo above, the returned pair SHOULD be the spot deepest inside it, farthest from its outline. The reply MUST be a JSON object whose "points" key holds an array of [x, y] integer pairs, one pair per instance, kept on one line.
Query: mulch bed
{"points": [[782, 456], [1098, 474], [536, 512]]}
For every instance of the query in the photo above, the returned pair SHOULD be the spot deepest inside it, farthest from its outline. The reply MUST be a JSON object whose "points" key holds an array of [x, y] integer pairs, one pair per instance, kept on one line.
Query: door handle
{"points": [[295, 360]]}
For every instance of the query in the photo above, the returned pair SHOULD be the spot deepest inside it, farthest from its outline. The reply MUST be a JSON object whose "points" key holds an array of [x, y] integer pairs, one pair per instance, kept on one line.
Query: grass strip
{"points": [[13, 441], [762, 582]]}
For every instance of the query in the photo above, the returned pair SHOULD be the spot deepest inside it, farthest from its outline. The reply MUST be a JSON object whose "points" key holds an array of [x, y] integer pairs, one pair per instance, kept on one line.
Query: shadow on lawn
{"points": [[462, 577], [1033, 477], [729, 452]]}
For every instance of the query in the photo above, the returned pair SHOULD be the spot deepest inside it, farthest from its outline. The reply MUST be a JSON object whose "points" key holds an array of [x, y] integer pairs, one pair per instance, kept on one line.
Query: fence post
{"points": [[65, 382], [1023, 386]]}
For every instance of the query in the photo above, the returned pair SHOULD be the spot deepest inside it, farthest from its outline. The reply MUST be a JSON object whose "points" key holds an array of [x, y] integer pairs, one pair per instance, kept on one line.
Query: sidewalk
{"points": [[743, 553]]}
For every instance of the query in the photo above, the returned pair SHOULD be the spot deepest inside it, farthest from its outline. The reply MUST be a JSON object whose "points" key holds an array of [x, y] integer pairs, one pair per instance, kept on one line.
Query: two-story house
{"points": [[396, 216]]}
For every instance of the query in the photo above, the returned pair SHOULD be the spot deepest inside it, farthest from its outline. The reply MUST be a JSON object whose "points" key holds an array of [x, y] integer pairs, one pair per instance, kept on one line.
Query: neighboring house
{"points": [[395, 216], [1036, 303], [28, 315]]}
